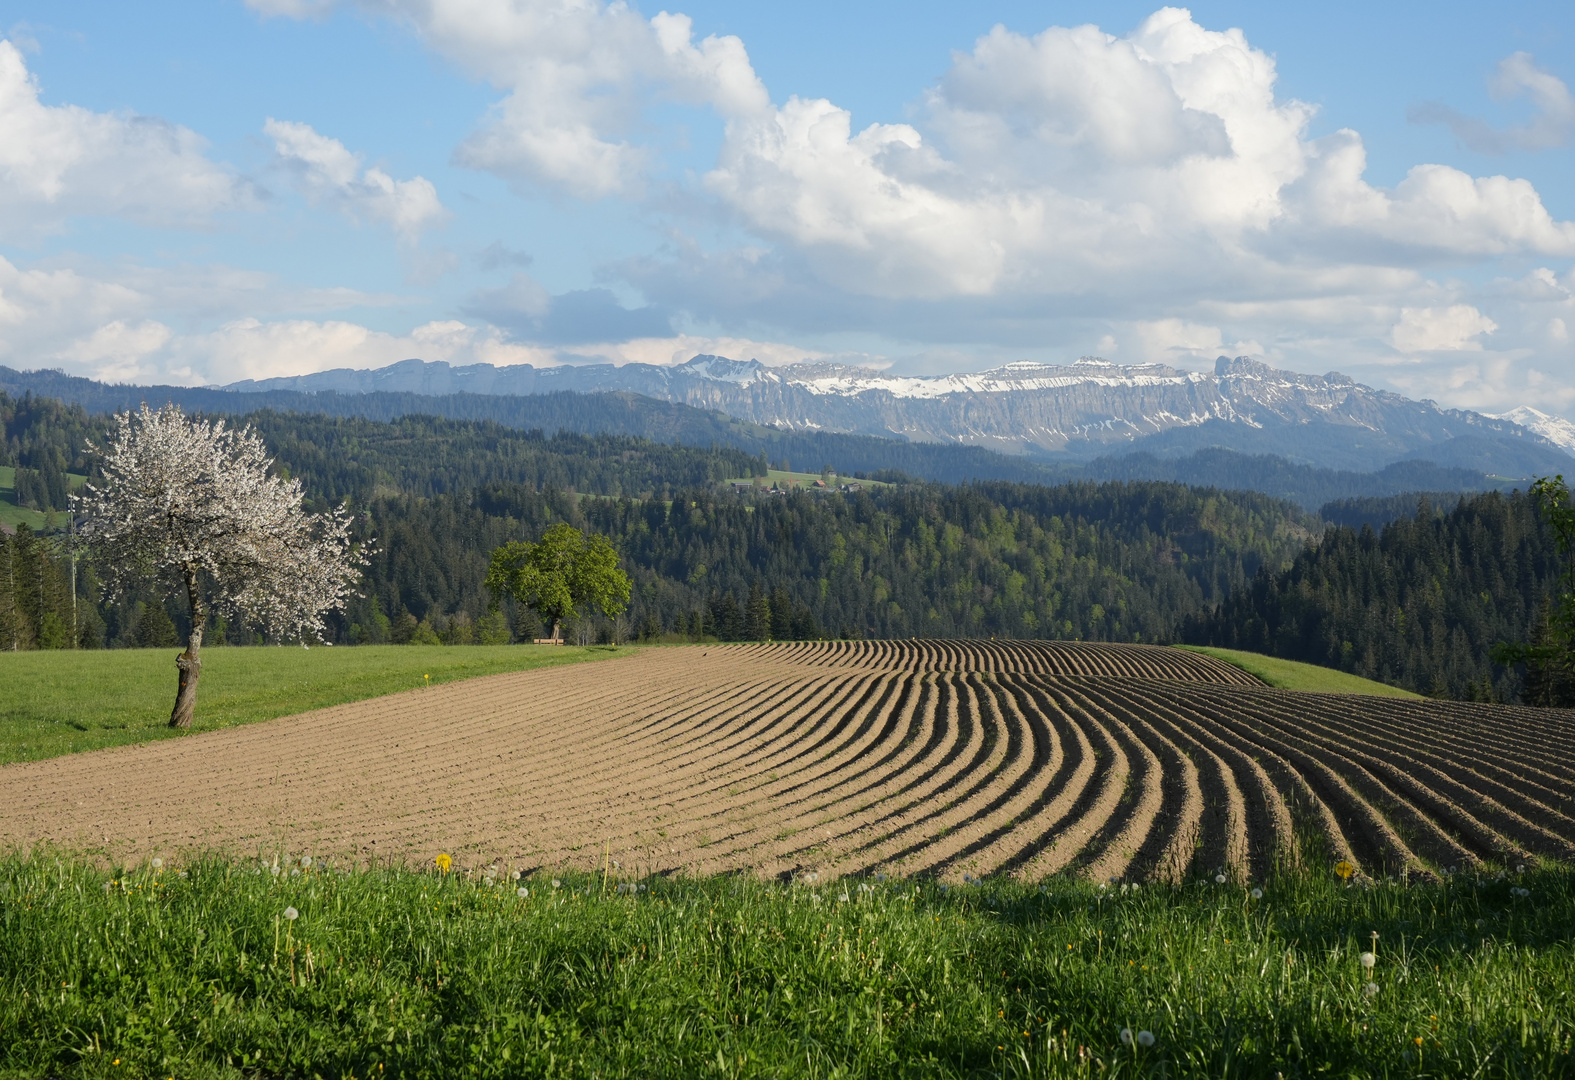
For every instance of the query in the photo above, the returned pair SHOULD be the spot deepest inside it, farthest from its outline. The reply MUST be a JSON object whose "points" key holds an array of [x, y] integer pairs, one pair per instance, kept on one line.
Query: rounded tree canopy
{"points": [[562, 570]]}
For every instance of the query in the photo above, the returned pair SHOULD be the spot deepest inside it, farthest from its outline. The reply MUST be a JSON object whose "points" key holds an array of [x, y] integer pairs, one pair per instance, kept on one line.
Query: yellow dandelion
{"points": [[443, 862], [1344, 869]]}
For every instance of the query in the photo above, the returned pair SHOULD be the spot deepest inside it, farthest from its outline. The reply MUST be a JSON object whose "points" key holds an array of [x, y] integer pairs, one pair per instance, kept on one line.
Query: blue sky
{"points": [[202, 192]]}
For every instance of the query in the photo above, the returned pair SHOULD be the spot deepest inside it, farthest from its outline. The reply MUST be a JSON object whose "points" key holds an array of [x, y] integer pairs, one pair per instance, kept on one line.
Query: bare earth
{"points": [[940, 758]]}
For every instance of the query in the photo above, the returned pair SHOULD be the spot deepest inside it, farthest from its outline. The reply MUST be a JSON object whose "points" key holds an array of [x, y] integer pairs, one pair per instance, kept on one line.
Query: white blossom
{"points": [[190, 503]]}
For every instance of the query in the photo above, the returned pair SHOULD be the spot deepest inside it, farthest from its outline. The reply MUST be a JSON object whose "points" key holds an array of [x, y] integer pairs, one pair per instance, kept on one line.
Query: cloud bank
{"points": [[1148, 194]]}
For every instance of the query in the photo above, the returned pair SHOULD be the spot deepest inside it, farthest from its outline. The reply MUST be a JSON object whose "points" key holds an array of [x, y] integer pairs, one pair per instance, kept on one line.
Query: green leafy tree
{"points": [[562, 571], [1550, 654]]}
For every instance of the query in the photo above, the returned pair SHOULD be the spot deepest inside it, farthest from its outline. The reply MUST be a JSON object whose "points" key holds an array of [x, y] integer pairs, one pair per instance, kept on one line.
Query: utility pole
{"points": [[71, 546]]}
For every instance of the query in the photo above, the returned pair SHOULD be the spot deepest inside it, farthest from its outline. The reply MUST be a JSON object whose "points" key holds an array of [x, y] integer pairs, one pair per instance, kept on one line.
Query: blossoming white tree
{"points": [[190, 505]]}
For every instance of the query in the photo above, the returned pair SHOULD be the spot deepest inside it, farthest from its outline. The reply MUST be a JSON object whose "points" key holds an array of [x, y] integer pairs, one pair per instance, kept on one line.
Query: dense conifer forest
{"points": [[1417, 605], [1418, 602]]}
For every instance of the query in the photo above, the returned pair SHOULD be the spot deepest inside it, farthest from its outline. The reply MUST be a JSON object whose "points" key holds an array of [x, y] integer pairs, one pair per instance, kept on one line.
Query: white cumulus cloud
{"points": [[329, 173], [1517, 76], [1445, 329], [57, 161]]}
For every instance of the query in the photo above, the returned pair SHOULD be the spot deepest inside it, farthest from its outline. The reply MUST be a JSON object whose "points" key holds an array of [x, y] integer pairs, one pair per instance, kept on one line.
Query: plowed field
{"points": [[940, 758]]}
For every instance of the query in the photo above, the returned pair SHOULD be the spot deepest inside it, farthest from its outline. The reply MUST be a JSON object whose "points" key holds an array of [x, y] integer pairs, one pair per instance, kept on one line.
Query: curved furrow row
{"points": [[932, 757], [1425, 797]]}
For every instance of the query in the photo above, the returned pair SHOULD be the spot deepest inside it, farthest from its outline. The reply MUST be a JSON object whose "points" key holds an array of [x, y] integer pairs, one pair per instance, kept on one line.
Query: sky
{"points": [[202, 191]]}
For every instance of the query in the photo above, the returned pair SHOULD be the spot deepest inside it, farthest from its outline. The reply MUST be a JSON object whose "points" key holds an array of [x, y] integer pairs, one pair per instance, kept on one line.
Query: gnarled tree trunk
{"points": [[190, 661]]}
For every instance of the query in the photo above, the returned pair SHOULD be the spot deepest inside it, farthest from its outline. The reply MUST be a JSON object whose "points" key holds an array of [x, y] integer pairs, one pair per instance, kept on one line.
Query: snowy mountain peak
{"points": [[722, 369], [1555, 429]]}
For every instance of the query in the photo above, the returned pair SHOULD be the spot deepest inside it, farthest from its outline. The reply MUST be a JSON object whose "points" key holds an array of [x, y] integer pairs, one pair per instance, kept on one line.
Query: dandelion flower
{"points": [[158, 864], [522, 892], [1257, 894], [291, 914], [1145, 1038], [1344, 869], [1370, 989], [443, 862], [1368, 960], [1126, 1036]]}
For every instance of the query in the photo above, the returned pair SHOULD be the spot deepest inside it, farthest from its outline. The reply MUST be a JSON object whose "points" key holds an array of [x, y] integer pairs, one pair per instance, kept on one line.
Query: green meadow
{"points": [[59, 702], [1293, 675], [199, 970]]}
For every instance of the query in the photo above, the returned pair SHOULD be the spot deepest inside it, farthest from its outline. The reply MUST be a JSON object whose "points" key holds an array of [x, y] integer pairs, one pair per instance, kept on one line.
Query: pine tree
{"points": [[757, 614]]}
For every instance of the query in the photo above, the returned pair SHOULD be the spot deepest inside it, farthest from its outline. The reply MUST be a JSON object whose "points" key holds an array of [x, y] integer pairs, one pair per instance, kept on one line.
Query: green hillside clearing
{"points": [[59, 702], [1293, 675], [13, 515]]}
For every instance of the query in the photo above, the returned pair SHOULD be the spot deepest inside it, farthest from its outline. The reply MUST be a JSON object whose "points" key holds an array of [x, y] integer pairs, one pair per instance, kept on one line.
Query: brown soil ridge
{"points": [[934, 758]]}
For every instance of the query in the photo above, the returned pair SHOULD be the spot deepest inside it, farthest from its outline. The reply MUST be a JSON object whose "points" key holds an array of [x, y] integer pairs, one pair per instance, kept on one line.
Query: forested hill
{"points": [[918, 560], [667, 422], [1418, 605]]}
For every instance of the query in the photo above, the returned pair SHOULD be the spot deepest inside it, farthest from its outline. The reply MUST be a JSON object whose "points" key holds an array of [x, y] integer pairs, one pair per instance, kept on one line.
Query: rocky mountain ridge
{"points": [[1082, 410]]}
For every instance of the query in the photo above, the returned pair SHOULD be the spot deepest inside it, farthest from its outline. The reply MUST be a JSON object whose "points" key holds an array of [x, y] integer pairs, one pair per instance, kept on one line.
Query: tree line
{"points": [[1418, 602]]}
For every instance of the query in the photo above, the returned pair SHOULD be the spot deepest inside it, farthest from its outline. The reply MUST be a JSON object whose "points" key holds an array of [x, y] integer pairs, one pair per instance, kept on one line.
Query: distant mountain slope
{"points": [[1555, 429], [631, 414], [1078, 412]]}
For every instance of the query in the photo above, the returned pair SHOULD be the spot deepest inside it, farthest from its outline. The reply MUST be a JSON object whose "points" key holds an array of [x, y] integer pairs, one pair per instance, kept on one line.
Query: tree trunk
{"points": [[190, 662]]}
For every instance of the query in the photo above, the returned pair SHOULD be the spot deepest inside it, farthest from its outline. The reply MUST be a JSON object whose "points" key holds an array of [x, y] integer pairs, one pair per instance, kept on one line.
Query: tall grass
{"points": [[58, 702], [1295, 675], [195, 971]]}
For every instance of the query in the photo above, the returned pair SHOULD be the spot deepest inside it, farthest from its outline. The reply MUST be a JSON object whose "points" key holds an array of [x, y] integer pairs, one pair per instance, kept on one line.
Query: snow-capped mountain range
{"points": [[1085, 409], [1555, 429]]}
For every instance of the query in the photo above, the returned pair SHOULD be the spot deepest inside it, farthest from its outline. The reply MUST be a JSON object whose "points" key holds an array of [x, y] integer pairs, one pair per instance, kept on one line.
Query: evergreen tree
{"points": [[156, 630], [757, 614]]}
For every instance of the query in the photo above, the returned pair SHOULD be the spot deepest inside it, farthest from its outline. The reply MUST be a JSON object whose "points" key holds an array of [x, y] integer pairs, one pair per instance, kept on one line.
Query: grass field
{"points": [[1291, 675], [13, 515], [198, 970], [58, 702], [803, 480]]}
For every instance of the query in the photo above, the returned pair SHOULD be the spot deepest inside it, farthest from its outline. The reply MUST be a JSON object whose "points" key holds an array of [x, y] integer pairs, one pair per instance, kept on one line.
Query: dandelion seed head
{"points": [[1368, 960], [306, 862], [1370, 989], [1257, 894], [158, 864], [291, 914], [1219, 879], [1145, 1038], [1126, 1036], [556, 883]]}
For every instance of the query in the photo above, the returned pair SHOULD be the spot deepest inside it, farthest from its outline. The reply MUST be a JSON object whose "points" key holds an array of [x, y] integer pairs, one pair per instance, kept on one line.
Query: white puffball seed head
{"points": [[1219, 879], [291, 914], [1257, 894], [1370, 989], [1126, 1036], [1145, 1038], [522, 892], [1368, 960], [158, 864]]}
